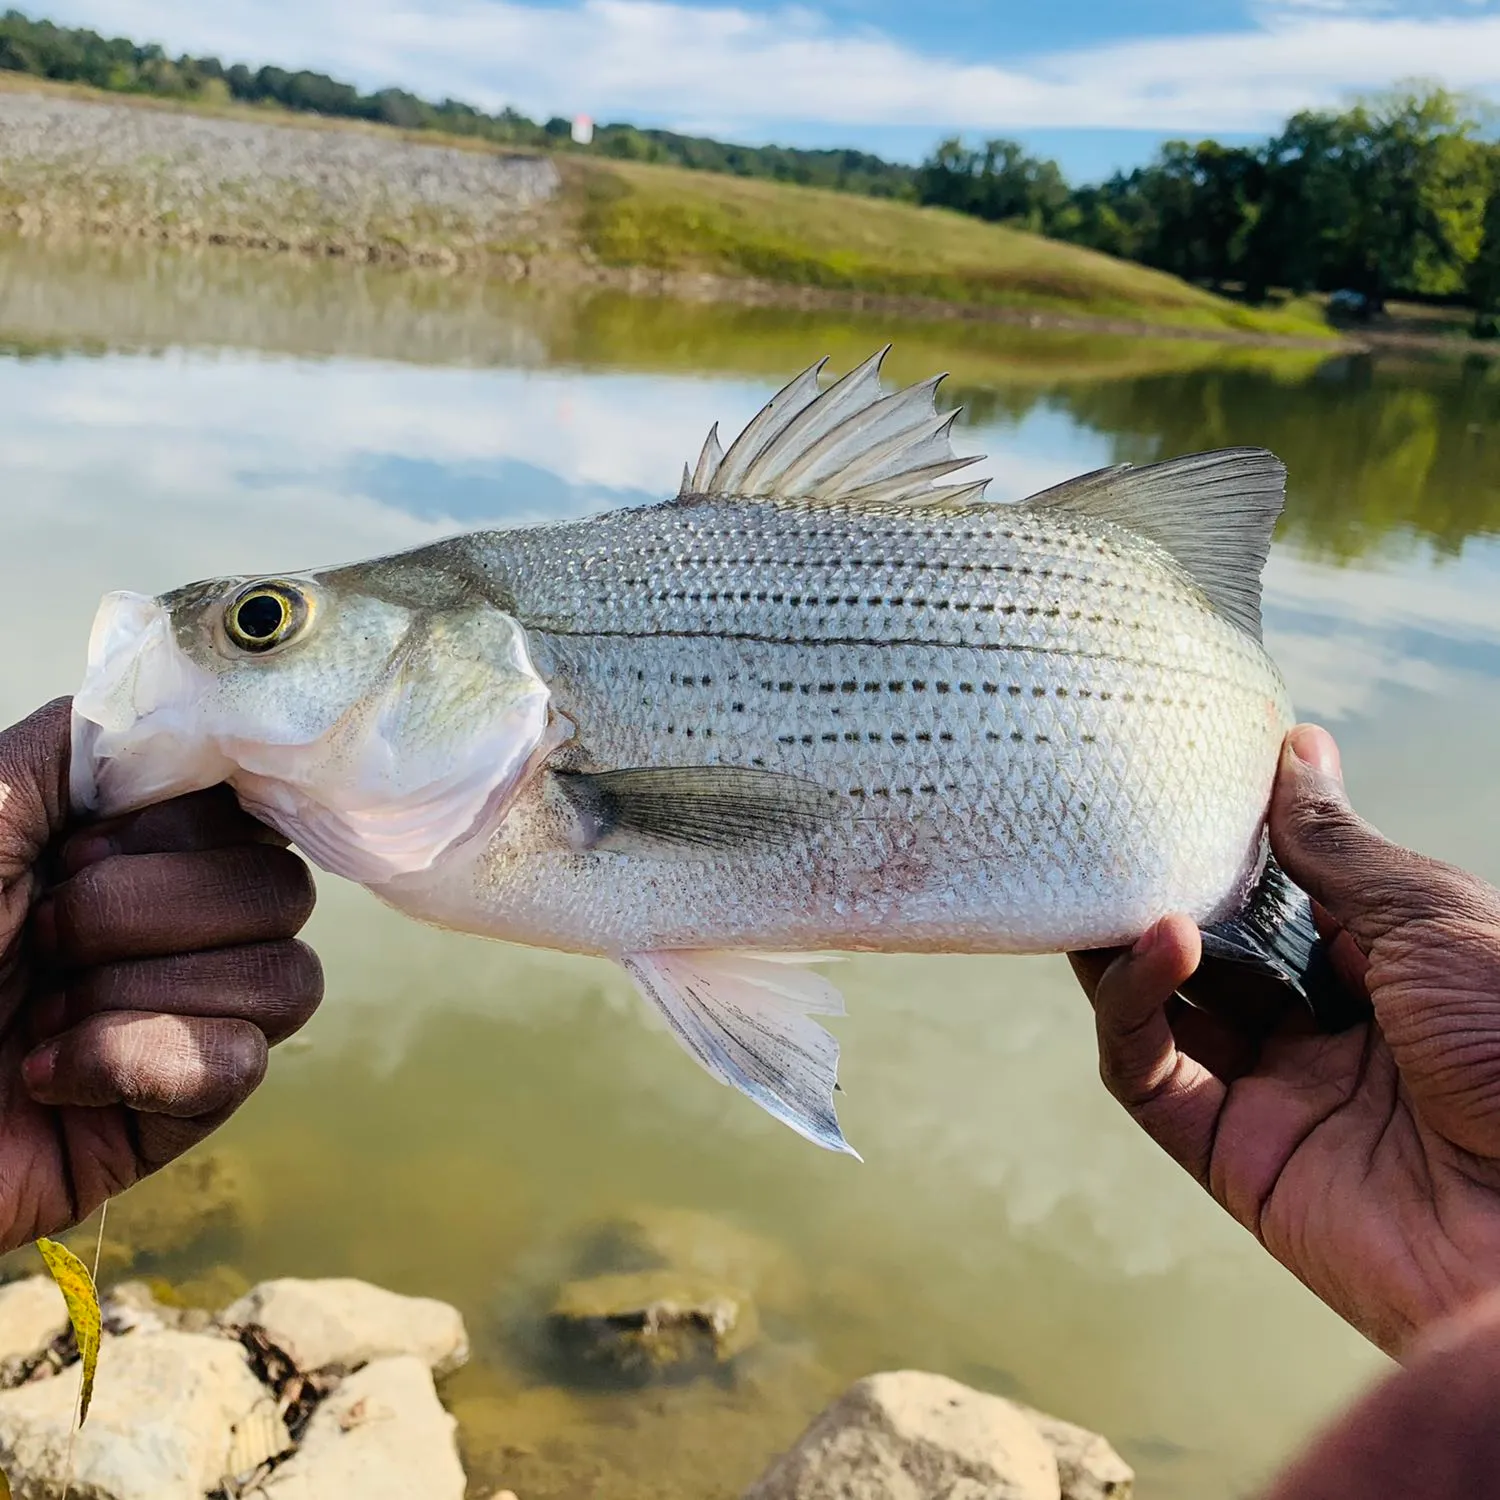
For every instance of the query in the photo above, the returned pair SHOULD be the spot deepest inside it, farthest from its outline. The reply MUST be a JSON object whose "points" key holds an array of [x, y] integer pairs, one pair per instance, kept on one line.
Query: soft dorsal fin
{"points": [[848, 446], [1214, 512]]}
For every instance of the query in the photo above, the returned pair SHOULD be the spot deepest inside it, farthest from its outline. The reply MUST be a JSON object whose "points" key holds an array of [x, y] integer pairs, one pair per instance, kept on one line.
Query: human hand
{"points": [[1367, 1163], [146, 965]]}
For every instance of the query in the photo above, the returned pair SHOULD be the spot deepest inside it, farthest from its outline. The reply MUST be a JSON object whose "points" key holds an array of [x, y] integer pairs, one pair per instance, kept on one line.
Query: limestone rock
{"points": [[32, 1314], [171, 1413], [653, 1322], [1087, 1465], [381, 1435], [914, 1436], [347, 1323]]}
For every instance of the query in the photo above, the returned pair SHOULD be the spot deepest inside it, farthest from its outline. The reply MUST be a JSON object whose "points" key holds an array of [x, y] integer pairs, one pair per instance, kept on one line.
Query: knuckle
{"points": [[272, 886], [295, 883], [236, 1060], [1323, 823], [279, 986], [305, 974]]}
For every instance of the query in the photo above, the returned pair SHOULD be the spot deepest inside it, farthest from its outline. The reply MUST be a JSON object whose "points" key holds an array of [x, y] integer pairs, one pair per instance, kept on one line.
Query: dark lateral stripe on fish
{"points": [[891, 643]]}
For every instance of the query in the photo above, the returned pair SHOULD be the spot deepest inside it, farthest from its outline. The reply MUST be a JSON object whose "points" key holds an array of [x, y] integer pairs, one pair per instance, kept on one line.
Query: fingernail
{"points": [[38, 1067], [1147, 941], [1316, 748], [88, 850], [44, 928], [46, 1016]]}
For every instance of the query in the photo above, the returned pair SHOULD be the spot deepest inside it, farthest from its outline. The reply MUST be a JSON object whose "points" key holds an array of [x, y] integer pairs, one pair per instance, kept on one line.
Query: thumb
{"points": [[1367, 884]]}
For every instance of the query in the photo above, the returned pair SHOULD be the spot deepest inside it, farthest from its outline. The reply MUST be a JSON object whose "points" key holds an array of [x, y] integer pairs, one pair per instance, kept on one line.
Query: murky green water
{"points": [[460, 1109]]}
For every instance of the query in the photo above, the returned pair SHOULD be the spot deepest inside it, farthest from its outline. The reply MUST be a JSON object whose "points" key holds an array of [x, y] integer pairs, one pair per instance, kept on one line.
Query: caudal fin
{"points": [[1275, 934]]}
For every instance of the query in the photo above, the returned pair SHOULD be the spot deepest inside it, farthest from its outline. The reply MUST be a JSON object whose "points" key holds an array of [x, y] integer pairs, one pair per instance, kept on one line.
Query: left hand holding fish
{"points": [[1367, 1163], [146, 964]]}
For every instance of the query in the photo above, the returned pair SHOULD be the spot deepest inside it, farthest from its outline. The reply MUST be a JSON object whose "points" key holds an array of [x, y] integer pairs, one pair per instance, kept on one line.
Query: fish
{"points": [[827, 698]]}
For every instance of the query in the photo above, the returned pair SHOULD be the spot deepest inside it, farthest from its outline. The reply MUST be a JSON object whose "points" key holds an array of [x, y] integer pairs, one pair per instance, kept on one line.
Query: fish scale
{"points": [[1072, 722], [817, 701]]}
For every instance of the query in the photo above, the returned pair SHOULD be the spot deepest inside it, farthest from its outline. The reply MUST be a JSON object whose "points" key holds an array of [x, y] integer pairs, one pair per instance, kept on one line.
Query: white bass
{"points": [[819, 700]]}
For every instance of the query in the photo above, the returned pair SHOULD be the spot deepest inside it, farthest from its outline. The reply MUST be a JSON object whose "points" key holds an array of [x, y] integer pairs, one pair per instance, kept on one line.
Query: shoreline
{"points": [[78, 164], [576, 271]]}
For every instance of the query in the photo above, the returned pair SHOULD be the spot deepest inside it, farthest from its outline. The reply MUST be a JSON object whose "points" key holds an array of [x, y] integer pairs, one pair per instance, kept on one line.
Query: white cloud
{"points": [[761, 74]]}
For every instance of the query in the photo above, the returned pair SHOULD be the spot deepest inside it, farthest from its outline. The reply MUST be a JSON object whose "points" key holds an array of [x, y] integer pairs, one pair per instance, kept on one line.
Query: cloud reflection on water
{"points": [[1045, 1226]]}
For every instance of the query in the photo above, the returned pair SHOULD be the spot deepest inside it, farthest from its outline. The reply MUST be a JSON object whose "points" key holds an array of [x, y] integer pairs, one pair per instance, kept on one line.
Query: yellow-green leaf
{"points": [[77, 1286]]}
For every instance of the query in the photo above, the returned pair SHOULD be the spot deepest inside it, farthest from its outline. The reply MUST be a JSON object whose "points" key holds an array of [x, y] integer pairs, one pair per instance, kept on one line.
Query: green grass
{"points": [[672, 220], [629, 215]]}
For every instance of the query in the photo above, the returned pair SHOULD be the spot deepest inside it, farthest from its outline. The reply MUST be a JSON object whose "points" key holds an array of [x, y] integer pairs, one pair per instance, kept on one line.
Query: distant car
{"points": [[1345, 303]]}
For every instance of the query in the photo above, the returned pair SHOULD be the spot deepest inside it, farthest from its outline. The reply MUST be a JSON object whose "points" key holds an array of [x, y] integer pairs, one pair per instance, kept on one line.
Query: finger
{"points": [[33, 785], [1367, 884], [1230, 1013], [1175, 1099], [1222, 1044], [1090, 967], [274, 986], [182, 1066], [202, 820], [151, 905]]}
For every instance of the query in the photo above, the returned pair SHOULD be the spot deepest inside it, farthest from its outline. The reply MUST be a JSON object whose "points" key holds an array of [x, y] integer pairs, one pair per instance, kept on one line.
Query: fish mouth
{"points": [[134, 740]]}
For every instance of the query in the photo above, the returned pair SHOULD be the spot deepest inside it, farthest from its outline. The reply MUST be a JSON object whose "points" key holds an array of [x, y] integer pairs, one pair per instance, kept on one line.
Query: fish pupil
{"points": [[260, 617]]}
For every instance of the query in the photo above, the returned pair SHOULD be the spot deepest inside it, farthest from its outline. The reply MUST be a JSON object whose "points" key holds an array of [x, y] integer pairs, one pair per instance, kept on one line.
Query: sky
{"points": [[1096, 83]]}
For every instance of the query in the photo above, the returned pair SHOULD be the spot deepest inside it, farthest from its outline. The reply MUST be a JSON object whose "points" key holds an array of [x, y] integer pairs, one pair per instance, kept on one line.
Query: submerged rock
{"points": [[206, 1196], [651, 1323], [174, 1415], [345, 1323], [381, 1435], [32, 1314], [914, 1436], [703, 1245]]}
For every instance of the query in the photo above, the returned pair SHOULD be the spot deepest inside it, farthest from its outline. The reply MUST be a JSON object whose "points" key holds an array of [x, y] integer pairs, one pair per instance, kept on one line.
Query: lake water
{"points": [[458, 1109]]}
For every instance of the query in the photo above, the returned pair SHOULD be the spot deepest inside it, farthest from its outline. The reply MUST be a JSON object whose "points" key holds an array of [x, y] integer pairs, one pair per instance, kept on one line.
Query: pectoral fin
{"points": [[691, 809], [746, 1018]]}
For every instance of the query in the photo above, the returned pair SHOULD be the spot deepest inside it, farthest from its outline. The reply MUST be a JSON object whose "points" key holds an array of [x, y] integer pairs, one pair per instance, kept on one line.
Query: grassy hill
{"points": [[669, 219], [630, 223]]}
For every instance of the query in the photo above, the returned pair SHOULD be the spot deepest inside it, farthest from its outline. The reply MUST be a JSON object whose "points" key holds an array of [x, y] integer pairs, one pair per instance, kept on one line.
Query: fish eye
{"points": [[266, 615]]}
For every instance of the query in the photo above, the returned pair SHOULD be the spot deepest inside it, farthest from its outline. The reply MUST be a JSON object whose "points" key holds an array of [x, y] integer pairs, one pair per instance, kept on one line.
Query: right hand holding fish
{"points": [[1368, 1163]]}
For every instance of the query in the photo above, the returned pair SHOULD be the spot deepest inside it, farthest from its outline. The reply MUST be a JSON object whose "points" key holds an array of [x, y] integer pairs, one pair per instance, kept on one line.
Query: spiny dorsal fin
{"points": [[848, 446], [1214, 512]]}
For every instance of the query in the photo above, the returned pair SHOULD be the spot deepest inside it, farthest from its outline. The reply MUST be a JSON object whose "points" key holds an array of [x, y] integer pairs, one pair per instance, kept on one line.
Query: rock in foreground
{"points": [[1087, 1465], [343, 1324], [915, 1436], [32, 1314], [382, 1435], [168, 1422]]}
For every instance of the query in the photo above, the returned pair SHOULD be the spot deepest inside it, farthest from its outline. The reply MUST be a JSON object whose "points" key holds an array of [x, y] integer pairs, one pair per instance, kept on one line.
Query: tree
{"points": [[1484, 273], [1000, 182]]}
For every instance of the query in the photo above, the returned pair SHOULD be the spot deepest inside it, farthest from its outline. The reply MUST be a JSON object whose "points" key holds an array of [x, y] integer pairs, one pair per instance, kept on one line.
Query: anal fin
{"points": [[746, 1018]]}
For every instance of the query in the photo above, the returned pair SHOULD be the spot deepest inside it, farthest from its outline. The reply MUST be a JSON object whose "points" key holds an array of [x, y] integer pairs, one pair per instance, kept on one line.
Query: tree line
{"points": [[77, 55], [1398, 195]]}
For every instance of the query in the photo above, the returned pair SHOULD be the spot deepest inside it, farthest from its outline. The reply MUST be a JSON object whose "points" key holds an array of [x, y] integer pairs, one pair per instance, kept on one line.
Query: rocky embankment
{"points": [[84, 166], [324, 1390], [211, 1389]]}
